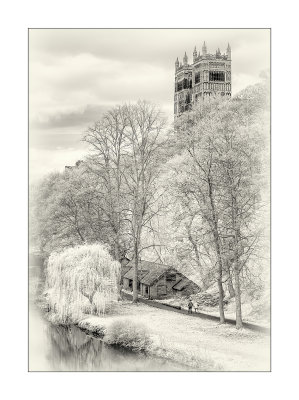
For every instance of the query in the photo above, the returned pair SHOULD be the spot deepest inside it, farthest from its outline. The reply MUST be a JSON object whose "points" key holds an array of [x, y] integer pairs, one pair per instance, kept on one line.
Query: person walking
{"points": [[196, 305], [190, 305]]}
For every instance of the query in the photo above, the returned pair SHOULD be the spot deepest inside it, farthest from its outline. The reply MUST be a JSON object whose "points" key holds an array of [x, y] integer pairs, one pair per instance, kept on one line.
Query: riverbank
{"points": [[198, 343], [66, 347]]}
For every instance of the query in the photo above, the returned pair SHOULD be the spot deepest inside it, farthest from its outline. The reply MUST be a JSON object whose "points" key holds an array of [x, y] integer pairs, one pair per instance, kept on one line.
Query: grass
{"points": [[136, 337], [200, 344]]}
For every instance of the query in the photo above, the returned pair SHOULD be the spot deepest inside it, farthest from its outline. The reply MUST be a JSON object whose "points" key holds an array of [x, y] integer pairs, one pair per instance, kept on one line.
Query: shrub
{"points": [[128, 334]]}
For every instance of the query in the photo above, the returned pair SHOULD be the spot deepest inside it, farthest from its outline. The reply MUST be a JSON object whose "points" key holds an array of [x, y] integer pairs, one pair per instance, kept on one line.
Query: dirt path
{"points": [[198, 314]]}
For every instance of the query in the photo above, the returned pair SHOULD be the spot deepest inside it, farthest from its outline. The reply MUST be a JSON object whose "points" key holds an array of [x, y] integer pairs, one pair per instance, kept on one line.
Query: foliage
{"points": [[199, 203], [79, 280], [126, 149], [217, 181], [128, 334], [108, 147]]}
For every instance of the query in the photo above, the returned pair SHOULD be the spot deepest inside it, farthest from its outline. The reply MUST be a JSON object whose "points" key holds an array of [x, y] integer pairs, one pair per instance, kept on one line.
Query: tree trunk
{"points": [[219, 277], [230, 286], [221, 308], [239, 322], [135, 277], [218, 252], [117, 258], [236, 227]]}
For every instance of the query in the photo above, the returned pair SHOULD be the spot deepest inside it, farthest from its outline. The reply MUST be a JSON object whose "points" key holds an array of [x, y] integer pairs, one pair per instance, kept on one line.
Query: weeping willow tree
{"points": [[81, 280]]}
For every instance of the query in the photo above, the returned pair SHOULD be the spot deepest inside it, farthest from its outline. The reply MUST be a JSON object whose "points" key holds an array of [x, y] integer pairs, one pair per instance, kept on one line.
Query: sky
{"points": [[75, 75]]}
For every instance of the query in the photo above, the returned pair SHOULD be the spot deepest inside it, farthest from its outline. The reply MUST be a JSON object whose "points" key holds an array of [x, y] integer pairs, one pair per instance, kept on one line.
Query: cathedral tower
{"points": [[208, 75]]}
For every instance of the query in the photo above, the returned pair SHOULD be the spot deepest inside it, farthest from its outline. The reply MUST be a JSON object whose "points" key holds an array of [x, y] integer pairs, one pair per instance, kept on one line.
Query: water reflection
{"points": [[61, 348], [73, 350]]}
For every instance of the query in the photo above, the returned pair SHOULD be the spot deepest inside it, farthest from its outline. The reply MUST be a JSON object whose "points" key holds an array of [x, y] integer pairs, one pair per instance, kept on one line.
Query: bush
{"points": [[129, 335]]}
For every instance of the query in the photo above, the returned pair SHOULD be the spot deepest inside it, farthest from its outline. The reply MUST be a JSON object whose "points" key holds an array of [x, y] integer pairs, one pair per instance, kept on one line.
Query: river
{"points": [[60, 348]]}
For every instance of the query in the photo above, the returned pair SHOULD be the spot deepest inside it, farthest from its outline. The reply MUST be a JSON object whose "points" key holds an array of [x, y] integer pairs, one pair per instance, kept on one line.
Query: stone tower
{"points": [[208, 75]]}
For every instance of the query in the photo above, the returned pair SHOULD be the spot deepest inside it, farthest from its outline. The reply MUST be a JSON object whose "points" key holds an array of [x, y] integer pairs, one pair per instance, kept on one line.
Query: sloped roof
{"points": [[124, 270], [146, 265], [130, 273], [181, 284], [154, 273], [148, 271]]}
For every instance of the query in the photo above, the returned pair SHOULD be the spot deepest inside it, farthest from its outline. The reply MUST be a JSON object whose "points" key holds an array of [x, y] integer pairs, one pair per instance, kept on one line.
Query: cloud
{"points": [[62, 139], [75, 75], [154, 46], [85, 117]]}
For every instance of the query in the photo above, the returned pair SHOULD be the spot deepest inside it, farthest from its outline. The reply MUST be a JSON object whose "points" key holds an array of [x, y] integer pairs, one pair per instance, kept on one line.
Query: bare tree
{"points": [[126, 157], [145, 125], [202, 182], [108, 144], [223, 142], [240, 146]]}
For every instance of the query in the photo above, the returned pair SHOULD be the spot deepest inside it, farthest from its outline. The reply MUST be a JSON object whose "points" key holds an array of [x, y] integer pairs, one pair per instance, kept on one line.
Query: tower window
{"points": [[197, 77], [180, 86], [217, 76]]}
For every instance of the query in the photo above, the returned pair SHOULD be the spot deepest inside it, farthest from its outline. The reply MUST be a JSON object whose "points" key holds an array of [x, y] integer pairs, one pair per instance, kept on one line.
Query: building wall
{"points": [[124, 270], [143, 290], [163, 287], [155, 291], [198, 80], [126, 283], [156, 288]]}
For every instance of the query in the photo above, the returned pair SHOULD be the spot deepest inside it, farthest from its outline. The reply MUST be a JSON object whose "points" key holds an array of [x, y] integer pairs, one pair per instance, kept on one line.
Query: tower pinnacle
{"points": [[185, 59], [228, 52], [204, 49], [194, 54]]}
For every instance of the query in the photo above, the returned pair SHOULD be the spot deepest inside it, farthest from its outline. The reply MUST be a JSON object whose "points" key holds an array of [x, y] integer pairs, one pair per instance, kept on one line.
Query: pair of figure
{"points": [[190, 306]]}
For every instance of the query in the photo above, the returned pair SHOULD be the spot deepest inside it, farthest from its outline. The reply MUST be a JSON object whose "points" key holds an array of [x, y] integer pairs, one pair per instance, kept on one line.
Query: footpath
{"points": [[153, 303]]}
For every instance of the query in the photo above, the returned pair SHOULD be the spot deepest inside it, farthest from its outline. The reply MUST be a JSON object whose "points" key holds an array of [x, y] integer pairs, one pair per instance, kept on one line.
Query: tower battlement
{"points": [[208, 75]]}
